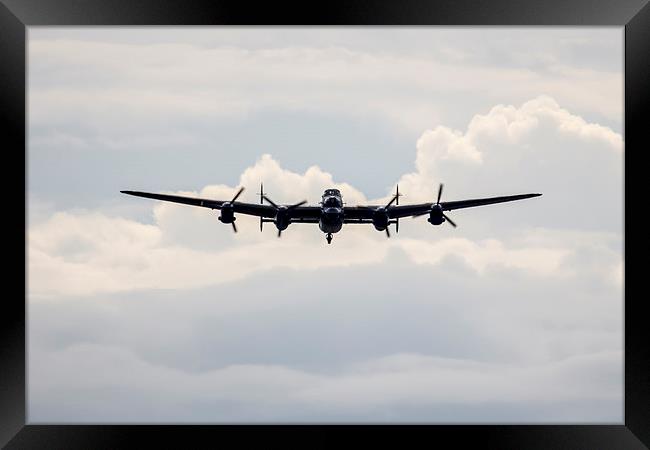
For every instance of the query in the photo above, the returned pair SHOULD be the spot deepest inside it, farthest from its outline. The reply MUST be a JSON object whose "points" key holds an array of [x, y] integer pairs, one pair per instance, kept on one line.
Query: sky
{"points": [[149, 312]]}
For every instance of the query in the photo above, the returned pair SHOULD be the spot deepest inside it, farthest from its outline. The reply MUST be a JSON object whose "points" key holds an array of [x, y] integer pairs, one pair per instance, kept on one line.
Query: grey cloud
{"points": [[318, 326]]}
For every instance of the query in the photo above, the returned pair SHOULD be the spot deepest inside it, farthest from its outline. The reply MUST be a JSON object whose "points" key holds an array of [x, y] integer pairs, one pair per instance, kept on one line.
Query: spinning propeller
{"points": [[228, 206], [396, 200], [281, 212], [437, 207], [380, 214]]}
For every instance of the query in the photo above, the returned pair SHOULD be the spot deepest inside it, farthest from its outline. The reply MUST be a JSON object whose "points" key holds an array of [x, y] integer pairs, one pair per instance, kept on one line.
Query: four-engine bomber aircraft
{"points": [[332, 212]]}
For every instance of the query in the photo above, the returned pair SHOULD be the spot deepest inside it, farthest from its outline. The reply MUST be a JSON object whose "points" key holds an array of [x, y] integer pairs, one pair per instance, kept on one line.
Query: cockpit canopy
{"points": [[332, 192], [331, 201]]}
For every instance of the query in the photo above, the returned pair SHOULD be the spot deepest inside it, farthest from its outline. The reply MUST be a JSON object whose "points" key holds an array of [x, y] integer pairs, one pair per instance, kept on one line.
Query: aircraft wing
{"points": [[425, 208], [299, 213], [252, 209], [395, 212], [212, 204], [354, 213], [448, 206], [306, 214]]}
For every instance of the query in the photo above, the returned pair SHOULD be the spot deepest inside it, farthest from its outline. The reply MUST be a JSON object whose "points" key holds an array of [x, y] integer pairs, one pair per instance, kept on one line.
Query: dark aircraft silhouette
{"points": [[331, 214]]}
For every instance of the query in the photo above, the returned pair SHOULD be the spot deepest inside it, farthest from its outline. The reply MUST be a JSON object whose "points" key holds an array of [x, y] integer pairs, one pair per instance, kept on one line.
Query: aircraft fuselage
{"points": [[331, 218]]}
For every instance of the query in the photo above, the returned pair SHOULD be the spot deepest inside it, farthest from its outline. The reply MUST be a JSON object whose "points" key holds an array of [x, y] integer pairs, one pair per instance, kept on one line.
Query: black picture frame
{"points": [[634, 15]]}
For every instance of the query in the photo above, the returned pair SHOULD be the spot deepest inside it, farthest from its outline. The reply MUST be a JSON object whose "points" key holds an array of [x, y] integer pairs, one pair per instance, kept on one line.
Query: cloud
{"points": [[68, 257], [195, 107], [144, 311], [373, 342], [443, 143], [71, 255], [512, 124], [181, 319], [287, 184], [129, 88], [536, 147], [508, 132], [341, 314], [89, 252], [400, 387], [481, 255]]}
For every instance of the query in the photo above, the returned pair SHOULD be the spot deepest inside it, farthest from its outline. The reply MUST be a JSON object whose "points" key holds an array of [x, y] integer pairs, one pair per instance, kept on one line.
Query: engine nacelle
{"points": [[435, 216], [380, 219], [227, 213], [282, 218]]}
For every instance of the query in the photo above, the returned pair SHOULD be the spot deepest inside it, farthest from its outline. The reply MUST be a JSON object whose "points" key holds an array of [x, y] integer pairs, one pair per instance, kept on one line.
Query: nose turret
{"points": [[332, 211]]}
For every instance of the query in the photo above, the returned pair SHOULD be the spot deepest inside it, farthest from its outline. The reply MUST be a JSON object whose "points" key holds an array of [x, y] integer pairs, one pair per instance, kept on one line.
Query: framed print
{"points": [[235, 215]]}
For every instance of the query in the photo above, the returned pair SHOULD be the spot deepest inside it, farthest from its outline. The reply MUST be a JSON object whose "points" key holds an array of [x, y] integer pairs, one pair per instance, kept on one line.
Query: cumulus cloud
{"points": [[536, 147], [104, 107], [84, 253], [508, 132], [69, 264], [69, 255], [512, 124], [443, 143]]}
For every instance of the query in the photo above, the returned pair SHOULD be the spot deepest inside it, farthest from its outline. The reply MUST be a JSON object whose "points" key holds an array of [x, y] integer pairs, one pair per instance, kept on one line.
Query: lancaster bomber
{"points": [[331, 213]]}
